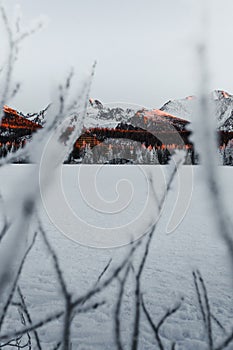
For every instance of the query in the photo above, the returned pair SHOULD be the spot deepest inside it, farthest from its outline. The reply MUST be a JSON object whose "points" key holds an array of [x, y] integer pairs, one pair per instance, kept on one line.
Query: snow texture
{"points": [[166, 279]]}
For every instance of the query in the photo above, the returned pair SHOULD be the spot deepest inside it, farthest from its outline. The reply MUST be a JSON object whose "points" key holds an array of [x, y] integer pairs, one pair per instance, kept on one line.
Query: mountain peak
{"points": [[220, 94]]}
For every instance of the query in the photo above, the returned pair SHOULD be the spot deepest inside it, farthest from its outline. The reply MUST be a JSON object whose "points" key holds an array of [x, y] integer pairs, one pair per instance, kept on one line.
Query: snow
{"points": [[168, 273], [221, 101]]}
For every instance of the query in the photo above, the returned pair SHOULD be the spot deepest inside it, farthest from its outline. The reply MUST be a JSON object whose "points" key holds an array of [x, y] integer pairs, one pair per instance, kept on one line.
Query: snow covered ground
{"points": [[166, 279]]}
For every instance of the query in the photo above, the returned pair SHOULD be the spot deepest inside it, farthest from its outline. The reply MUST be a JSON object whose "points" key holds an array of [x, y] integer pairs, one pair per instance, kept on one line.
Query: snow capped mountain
{"points": [[173, 114], [15, 128], [222, 102], [177, 113], [156, 120], [182, 108], [100, 115]]}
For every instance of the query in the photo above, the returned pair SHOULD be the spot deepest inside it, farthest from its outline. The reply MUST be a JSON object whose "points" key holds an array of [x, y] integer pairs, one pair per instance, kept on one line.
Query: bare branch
{"points": [[161, 322], [10, 60], [207, 304], [27, 314], [15, 91], [173, 347], [77, 302], [29, 343], [206, 315], [28, 33], [199, 297], [104, 270], [14, 285], [169, 313], [218, 323], [118, 309], [136, 328], [225, 343], [67, 323], [55, 261]]}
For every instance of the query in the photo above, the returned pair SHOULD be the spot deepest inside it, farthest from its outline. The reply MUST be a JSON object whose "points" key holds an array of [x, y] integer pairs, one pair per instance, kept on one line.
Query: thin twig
{"points": [[29, 343], [154, 328], [67, 323], [104, 270], [55, 261], [169, 313], [225, 343], [160, 323], [199, 297], [136, 326], [208, 312], [27, 314], [118, 309], [77, 302], [218, 323], [14, 285]]}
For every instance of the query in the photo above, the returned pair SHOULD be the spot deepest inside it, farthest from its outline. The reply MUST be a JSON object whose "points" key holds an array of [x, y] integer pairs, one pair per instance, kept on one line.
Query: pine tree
{"points": [[154, 156], [139, 158], [88, 157], [188, 158]]}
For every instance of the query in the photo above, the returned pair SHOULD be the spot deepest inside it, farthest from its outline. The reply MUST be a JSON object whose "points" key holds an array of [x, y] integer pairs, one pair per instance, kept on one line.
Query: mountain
{"points": [[182, 108], [156, 119], [99, 115], [222, 103], [15, 127], [151, 127], [167, 124]]}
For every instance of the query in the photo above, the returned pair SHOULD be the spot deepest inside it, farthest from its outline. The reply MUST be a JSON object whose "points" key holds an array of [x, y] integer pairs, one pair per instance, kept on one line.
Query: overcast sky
{"points": [[145, 50]]}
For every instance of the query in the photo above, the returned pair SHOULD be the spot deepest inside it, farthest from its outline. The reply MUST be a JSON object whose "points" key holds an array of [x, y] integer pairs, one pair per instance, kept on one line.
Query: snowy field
{"points": [[167, 277]]}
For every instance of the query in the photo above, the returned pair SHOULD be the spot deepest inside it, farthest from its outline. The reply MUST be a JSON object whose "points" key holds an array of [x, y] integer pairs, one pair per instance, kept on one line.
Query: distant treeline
{"points": [[103, 145]]}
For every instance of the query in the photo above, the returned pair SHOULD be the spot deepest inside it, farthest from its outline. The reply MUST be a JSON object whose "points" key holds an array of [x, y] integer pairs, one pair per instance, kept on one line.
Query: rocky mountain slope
{"points": [[222, 104]]}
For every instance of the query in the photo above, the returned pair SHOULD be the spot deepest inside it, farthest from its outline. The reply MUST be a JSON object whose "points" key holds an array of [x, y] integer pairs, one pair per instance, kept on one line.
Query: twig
{"points": [[118, 309], [14, 285], [136, 328], [10, 60], [77, 302], [161, 322], [29, 343], [208, 312], [173, 347], [168, 314], [6, 224], [199, 297], [225, 343], [55, 261], [27, 314], [104, 270], [218, 323], [66, 294], [4, 230], [57, 346], [67, 323]]}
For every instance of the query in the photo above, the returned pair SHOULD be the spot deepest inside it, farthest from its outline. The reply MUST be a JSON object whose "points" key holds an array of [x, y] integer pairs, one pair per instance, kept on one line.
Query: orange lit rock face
{"points": [[9, 110], [190, 98], [160, 115], [225, 94], [12, 120]]}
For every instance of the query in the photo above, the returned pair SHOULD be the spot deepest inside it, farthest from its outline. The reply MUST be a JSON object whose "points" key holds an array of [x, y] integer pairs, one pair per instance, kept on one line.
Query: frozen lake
{"points": [[88, 207]]}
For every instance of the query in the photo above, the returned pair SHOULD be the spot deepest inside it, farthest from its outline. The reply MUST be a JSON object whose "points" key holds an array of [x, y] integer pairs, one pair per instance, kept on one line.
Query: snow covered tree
{"points": [[88, 155]]}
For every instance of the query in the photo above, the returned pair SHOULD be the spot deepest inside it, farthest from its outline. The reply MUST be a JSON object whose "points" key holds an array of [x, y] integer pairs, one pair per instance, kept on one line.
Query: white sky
{"points": [[145, 50]]}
